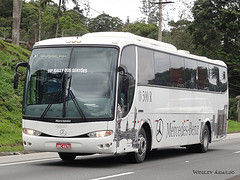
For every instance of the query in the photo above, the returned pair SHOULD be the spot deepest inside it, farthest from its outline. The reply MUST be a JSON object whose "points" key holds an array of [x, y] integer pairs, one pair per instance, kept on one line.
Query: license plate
{"points": [[63, 145]]}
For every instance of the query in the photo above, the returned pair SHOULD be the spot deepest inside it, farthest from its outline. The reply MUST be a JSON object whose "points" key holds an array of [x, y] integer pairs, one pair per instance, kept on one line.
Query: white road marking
{"points": [[112, 176], [237, 152], [25, 162]]}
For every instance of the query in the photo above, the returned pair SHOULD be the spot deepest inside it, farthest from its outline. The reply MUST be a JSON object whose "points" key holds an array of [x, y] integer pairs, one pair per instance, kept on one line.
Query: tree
{"points": [[216, 33], [63, 4], [83, 9], [179, 10], [49, 21], [72, 24], [6, 18], [29, 19], [42, 5], [143, 29], [6, 8], [150, 10], [17, 6], [179, 35], [104, 22], [5, 27]]}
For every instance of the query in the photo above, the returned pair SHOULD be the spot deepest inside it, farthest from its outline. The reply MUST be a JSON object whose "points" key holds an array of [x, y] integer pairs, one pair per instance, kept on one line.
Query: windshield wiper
{"points": [[60, 75], [50, 104], [64, 77], [74, 99]]}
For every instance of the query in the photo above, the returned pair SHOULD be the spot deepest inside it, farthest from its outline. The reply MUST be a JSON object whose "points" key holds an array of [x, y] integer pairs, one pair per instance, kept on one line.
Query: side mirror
{"points": [[16, 75], [125, 84], [125, 79], [121, 70], [15, 81]]}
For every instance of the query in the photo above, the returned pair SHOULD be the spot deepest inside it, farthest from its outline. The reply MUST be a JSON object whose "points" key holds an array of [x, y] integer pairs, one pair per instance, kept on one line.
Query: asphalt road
{"points": [[222, 161]]}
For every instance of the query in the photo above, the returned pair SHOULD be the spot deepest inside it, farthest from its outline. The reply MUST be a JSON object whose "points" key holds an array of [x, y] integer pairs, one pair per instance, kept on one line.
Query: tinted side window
{"points": [[145, 66], [190, 74], [177, 71], [203, 83], [214, 83], [162, 73], [223, 79], [128, 61]]}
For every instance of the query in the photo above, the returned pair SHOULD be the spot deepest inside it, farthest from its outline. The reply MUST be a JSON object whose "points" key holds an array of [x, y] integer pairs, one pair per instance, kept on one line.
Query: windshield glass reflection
{"points": [[71, 83]]}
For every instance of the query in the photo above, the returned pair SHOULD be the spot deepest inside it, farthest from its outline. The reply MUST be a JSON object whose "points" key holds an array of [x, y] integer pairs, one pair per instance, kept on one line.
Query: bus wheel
{"points": [[67, 156], [139, 156], [202, 147]]}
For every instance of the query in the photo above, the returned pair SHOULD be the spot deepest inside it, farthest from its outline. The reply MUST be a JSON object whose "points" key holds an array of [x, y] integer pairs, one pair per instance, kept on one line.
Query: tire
{"points": [[202, 147], [139, 156], [67, 156]]}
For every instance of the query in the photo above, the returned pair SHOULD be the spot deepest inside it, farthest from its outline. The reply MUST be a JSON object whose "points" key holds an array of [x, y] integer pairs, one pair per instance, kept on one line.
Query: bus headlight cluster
{"points": [[99, 134], [31, 132]]}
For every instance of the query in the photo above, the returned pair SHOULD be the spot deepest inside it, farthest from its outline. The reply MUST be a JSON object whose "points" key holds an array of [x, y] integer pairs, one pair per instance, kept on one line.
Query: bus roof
{"points": [[122, 39]]}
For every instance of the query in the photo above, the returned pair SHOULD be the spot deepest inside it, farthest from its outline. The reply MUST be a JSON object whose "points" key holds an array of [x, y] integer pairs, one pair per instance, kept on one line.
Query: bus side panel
{"points": [[177, 116]]}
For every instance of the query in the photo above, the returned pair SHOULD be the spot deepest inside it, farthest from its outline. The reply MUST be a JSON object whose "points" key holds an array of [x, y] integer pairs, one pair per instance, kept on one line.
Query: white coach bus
{"points": [[115, 92]]}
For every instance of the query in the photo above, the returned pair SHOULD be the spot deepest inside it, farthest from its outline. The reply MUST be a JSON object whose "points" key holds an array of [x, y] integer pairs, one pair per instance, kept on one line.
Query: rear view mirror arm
{"points": [[16, 75]]}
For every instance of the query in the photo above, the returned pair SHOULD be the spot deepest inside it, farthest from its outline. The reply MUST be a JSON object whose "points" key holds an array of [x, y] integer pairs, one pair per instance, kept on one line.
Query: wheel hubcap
{"points": [[205, 139], [142, 145]]}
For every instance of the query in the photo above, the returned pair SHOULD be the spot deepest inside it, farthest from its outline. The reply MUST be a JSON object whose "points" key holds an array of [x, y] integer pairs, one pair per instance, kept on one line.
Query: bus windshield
{"points": [[71, 82]]}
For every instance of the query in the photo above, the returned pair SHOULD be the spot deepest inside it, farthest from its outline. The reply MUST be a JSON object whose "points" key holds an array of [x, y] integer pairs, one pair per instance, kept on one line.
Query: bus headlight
{"points": [[99, 134], [31, 132]]}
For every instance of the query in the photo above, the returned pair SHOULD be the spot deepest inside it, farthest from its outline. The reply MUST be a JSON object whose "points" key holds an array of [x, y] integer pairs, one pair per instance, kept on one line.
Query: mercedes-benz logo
{"points": [[62, 132], [159, 130]]}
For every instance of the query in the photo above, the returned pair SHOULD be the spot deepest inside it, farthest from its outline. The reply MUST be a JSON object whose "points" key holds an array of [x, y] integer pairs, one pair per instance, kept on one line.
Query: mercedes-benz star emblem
{"points": [[62, 132], [159, 130]]}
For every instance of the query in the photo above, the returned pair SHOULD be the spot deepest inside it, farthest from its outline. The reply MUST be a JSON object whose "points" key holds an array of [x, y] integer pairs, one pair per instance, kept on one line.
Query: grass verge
{"points": [[11, 140], [11, 99], [233, 126]]}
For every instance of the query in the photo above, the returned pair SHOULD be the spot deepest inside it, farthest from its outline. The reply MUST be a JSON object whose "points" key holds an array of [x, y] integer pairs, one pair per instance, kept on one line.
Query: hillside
{"points": [[10, 99]]}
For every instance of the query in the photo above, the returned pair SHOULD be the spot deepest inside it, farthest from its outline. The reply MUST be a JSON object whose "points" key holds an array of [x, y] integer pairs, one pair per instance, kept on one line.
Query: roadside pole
{"points": [[160, 3], [238, 107]]}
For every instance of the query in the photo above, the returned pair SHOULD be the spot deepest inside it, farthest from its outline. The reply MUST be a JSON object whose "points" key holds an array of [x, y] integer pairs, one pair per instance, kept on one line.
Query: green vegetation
{"points": [[233, 126], [10, 99], [233, 114]]}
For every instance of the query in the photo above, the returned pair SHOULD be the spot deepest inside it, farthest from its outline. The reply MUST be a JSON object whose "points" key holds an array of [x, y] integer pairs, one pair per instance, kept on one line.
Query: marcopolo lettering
{"points": [[182, 130]]}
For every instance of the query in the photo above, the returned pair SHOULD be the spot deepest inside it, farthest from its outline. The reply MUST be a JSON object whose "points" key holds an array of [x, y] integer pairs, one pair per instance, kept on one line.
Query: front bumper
{"points": [[104, 145]]}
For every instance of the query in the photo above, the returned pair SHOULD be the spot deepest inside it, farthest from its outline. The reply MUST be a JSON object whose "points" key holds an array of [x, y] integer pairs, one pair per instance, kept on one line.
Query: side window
{"points": [[214, 83], [128, 60], [203, 83], [162, 73], [223, 79], [127, 80], [177, 71], [190, 74], [145, 66]]}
